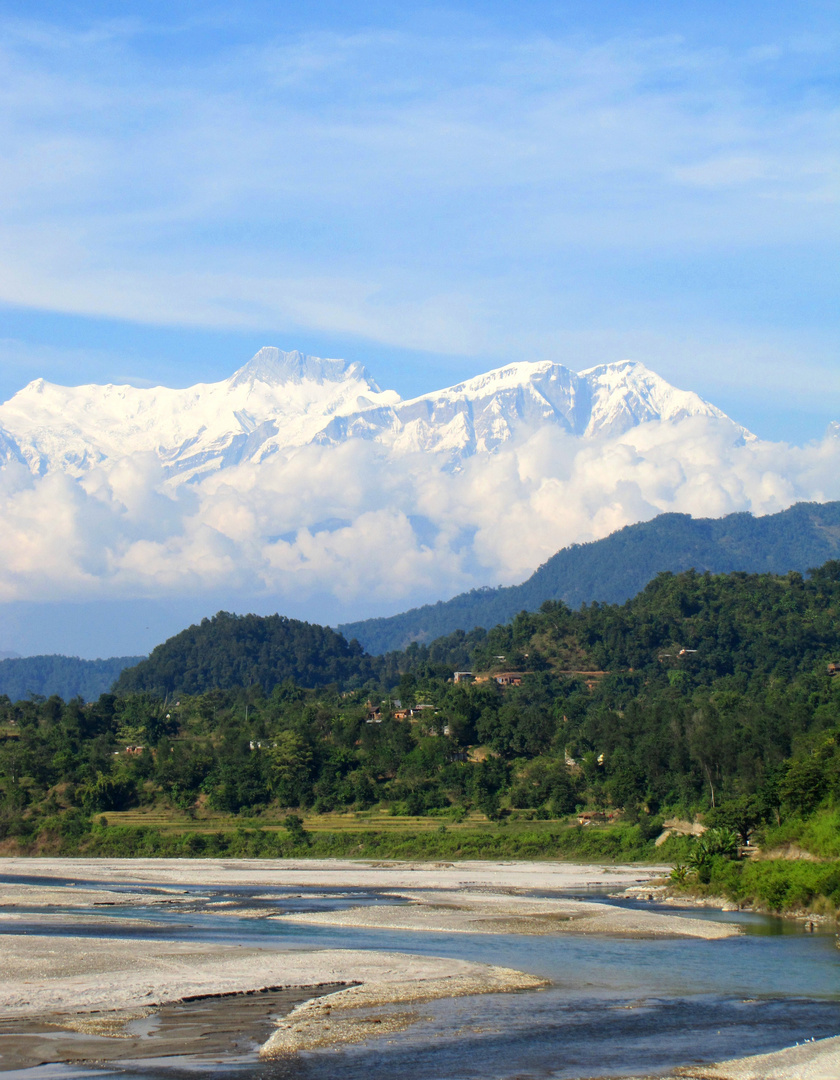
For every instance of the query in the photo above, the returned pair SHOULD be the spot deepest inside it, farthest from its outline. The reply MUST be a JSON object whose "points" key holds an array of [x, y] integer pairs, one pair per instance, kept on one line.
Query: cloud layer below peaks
{"points": [[355, 522]]}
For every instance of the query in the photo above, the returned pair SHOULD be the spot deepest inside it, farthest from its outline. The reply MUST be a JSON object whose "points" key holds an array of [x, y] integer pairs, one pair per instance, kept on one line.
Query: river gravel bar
{"points": [[85, 986], [97, 987], [818, 1060], [365, 1011], [329, 873], [498, 913], [40, 974], [70, 895]]}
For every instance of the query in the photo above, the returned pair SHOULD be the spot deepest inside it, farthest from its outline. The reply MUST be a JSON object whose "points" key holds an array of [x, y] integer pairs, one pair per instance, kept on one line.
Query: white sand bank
{"points": [[72, 895], [819, 1060], [472, 897], [40, 974], [336, 873], [84, 979], [470, 912], [363, 1012]]}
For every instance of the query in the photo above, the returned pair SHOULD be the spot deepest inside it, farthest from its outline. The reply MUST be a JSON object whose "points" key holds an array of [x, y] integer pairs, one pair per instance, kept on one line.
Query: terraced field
{"points": [[370, 821]]}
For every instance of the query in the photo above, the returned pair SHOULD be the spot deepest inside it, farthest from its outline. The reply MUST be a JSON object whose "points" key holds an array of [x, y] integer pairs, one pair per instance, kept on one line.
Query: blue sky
{"points": [[433, 192]]}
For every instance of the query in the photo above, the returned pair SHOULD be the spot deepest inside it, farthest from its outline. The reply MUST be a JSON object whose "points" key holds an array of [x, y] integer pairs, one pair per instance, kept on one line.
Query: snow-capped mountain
{"points": [[283, 400], [484, 412], [277, 399]]}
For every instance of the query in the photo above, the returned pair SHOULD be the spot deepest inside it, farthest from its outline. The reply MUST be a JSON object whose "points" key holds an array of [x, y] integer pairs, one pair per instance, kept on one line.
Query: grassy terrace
{"points": [[367, 821], [370, 834], [373, 835]]}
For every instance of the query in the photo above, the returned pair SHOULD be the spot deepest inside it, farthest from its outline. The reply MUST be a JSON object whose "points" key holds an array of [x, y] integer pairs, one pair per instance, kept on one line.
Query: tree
{"points": [[290, 760], [741, 815], [294, 827]]}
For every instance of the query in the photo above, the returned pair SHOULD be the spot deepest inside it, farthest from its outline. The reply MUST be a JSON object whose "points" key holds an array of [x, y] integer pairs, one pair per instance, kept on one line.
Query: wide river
{"points": [[615, 1007]]}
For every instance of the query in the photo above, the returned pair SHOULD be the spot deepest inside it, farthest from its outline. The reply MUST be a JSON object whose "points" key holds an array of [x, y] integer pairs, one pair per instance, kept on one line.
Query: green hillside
{"points": [[246, 650], [616, 568], [65, 676], [581, 732]]}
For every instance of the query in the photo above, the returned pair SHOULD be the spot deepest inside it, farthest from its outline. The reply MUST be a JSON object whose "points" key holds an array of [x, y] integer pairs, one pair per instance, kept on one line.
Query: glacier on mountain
{"points": [[282, 401]]}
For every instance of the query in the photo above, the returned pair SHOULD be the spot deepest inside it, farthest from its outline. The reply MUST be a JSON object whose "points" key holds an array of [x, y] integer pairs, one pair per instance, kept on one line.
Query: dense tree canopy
{"points": [[246, 650], [66, 676], [710, 693]]}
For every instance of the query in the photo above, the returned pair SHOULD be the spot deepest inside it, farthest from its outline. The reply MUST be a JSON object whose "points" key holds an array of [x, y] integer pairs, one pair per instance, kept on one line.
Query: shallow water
{"points": [[615, 1007]]}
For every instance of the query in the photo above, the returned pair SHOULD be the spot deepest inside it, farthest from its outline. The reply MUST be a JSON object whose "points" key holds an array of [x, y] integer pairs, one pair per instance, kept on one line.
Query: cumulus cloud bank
{"points": [[355, 522]]}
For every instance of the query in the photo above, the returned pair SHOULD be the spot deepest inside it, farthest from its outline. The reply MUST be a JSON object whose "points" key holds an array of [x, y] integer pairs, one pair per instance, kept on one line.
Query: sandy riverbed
{"points": [[478, 897], [61, 974], [330, 873], [818, 1060], [76, 896], [450, 910], [98, 988]]}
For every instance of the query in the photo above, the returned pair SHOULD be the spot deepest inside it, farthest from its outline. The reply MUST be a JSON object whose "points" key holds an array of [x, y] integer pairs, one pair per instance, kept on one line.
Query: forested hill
{"points": [[230, 651], [713, 694], [618, 567], [693, 630], [687, 630], [244, 650], [67, 677]]}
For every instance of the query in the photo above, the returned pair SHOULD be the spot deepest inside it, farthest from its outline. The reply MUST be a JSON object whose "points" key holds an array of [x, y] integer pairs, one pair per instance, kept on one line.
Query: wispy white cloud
{"points": [[365, 183]]}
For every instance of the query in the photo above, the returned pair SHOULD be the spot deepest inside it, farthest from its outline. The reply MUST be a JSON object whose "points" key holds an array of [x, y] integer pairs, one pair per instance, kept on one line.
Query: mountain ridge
{"points": [[617, 567], [67, 677], [281, 401], [609, 571]]}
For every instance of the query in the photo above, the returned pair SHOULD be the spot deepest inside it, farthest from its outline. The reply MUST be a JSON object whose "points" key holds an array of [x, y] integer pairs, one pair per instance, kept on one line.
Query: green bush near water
{"points": [[818, 834], [779, 885]]}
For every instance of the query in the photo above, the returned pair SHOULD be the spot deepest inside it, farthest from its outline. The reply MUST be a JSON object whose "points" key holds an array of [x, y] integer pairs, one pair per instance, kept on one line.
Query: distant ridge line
{"points": [[616, 568], [66, 677]]}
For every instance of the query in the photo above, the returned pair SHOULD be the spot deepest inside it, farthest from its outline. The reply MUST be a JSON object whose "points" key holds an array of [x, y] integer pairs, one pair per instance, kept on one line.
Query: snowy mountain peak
{"points": [[274, 367], [280, 401], [516, 374], [627, 393]]}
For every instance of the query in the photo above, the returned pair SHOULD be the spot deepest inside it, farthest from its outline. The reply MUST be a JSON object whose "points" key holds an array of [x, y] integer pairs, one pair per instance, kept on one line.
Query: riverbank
{"points": [[99, 989], [784, 886], [326, 873], [690, 897], [818, 1060], [475, 897], [78, 996]]}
